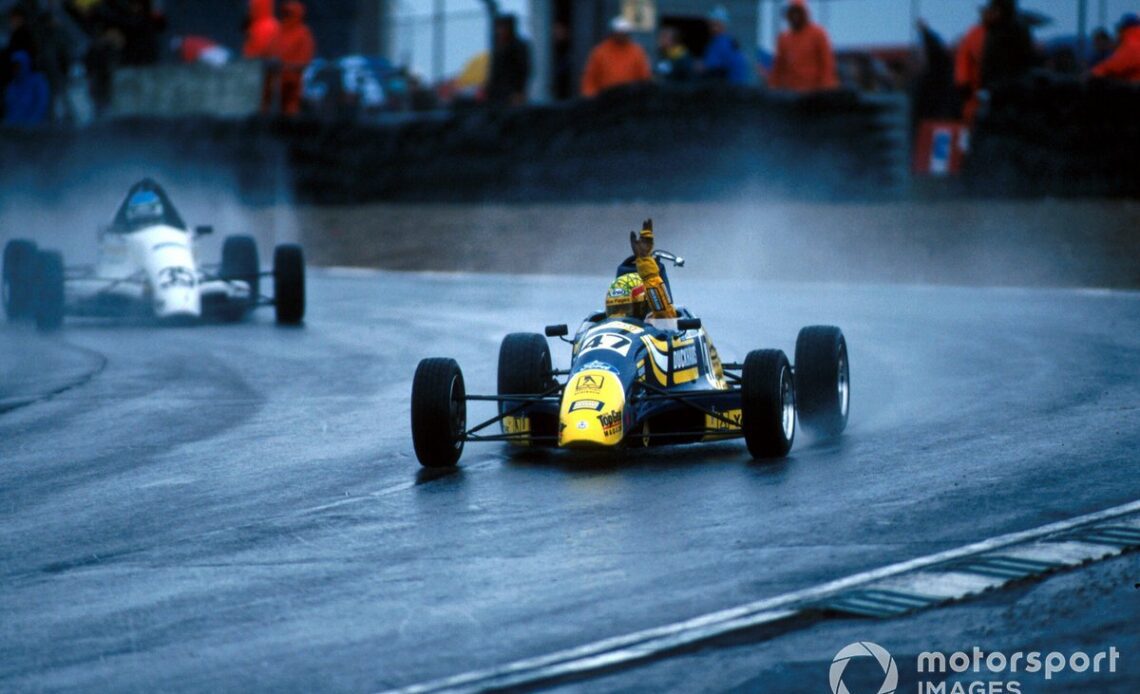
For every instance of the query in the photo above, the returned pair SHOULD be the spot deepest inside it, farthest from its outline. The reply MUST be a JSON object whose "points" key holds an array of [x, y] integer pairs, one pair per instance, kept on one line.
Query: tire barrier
{"points": [[640, 141], [1046, 137], [1058, 137]]}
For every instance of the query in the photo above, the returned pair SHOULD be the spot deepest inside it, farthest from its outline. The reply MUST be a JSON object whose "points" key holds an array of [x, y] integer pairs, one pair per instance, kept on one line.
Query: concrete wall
{"points": [[233, 91]]}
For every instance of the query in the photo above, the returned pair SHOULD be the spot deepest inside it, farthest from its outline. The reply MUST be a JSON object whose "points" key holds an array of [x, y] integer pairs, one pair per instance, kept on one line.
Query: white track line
{"points": [[640, 645]]}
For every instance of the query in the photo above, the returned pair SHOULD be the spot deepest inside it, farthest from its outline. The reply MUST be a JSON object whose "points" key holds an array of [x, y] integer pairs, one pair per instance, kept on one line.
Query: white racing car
{"points": [[147, 266]]}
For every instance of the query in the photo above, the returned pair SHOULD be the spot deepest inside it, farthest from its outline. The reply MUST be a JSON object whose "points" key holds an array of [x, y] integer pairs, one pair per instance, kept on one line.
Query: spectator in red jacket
{"points": [[292, 50], [1124, 63], [804, 59], [968, 68], [261, 31]]}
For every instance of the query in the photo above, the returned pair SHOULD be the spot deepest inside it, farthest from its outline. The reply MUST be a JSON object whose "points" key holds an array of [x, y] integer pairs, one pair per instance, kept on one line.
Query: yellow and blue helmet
{"points": [[626, 296]]}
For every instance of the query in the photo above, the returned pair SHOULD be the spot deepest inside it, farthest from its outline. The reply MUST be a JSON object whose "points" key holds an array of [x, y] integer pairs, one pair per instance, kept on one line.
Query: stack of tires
{"points": [[33, 285]]}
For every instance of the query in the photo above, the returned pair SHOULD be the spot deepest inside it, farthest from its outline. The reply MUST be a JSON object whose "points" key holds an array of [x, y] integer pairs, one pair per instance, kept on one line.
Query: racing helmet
{"points": [[144, 207], [626, 297]]}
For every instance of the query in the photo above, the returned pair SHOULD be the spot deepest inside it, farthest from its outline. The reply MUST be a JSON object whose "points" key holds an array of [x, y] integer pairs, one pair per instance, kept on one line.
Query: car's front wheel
{"points": [[768, 403], [19, 279], [289, 284], [439, 412], [240, 261], [525, 369]]}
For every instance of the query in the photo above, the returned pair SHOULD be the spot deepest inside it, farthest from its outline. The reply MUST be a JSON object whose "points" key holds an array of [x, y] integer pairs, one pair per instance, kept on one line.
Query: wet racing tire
{"points": [[439, 412], [823, 380], [768, 403], [525, 369], [289, 284], [19, 279], [524, 364], [49, 291], [240, 261]]}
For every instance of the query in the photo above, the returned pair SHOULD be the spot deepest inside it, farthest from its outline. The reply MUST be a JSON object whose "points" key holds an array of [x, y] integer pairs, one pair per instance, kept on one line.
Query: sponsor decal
{"points": [[718, 425], [582, 424], [589, 383], [596, 365], [595, 405], [611, 422], [627, 327], [611, 341], [685, 357]]}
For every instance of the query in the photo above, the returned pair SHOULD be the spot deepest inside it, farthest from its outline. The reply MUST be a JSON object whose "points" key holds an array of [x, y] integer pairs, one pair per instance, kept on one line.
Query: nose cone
{"points": [[177, 302], [593, 406]]}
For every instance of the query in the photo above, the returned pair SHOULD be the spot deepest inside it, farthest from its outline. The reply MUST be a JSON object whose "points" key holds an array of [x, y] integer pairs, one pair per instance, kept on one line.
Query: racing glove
{"points": [[656, 293]]}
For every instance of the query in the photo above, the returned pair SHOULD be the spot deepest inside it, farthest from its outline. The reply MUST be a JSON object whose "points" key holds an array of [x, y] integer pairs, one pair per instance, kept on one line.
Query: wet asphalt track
{"points": [[238, 507]]}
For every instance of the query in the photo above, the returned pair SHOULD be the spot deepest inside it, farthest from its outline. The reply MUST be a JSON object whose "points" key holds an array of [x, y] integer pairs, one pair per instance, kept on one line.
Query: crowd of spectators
{"points": [[40, 56], [950, 82]]}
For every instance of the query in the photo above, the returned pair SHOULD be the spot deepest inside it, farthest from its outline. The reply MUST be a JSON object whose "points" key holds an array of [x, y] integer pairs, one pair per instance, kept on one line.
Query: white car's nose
{"points": [[177, 302]]}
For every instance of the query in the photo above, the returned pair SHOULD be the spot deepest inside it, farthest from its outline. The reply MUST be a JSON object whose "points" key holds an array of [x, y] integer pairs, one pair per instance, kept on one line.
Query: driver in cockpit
{"points": [[641, 294]]}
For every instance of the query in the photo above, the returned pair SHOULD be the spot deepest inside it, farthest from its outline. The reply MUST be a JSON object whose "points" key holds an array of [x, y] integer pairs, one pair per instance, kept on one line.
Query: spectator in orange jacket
{"points": [[968, 68], [261, 30], [293, 50], [1124, 63], [804, 60], [617, 60]]}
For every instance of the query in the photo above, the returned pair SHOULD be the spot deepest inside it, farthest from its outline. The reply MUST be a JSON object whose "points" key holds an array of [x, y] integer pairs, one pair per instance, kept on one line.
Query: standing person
{"points": [[261, 30], [674, 63], [140, 24], [27, 97], [968, 67], [723, 59], [804, 59], [1009, 52], [510, 64], [1124, 63], [293, 50], [615, 61], [100, 61], [1102, 46], [20, 38], [934, 94], [55, 63]]}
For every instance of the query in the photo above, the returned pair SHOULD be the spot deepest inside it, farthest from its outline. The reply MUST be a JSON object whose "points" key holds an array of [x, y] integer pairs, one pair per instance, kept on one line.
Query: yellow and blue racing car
{"points": [[637, 382]]}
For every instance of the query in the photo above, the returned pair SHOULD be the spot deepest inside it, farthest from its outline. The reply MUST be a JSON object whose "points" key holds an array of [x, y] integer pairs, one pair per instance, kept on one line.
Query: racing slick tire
{"points": [[19, 279], [525, 369], [823, 380], [49, 291], [241, 262], [768, 403], [289, 283], [439, 412]]}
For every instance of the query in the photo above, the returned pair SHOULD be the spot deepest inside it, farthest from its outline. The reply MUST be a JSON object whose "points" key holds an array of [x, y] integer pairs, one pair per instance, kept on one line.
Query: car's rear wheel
{"points": [[525, 369], [49, 290], [289, 283], [19, 279], [768, 404], [823, 380], [439, 412], [240, 261]]}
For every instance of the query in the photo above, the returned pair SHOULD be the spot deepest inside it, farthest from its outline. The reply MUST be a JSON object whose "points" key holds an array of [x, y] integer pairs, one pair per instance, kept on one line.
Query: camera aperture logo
{"points": [[863, 649], [974, 671]]}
